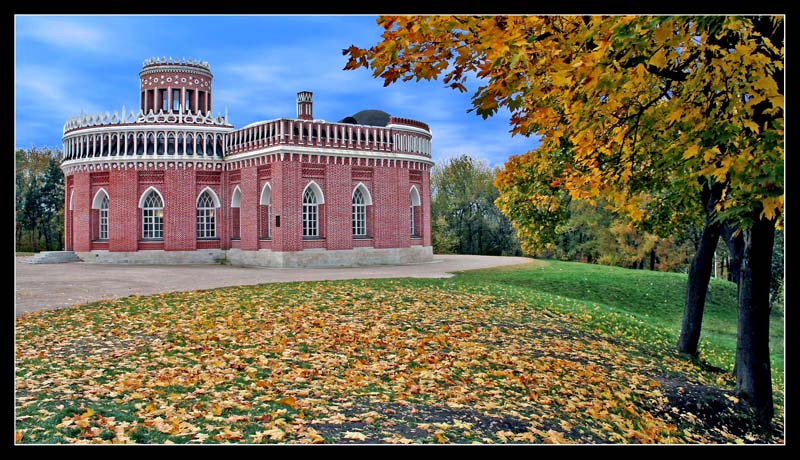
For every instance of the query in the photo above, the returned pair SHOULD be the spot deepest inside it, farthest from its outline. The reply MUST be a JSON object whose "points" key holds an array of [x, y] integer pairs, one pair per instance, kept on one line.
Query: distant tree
{"points": [[464, 217], [52, 204], [39, 199]]}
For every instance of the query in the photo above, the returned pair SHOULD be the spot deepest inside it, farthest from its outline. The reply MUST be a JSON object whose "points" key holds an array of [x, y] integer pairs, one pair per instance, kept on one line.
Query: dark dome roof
{"points": [[369, 118]]}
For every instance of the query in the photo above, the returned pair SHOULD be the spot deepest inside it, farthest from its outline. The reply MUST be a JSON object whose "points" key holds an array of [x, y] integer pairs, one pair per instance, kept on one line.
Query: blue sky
{"points": [[68, 64]]}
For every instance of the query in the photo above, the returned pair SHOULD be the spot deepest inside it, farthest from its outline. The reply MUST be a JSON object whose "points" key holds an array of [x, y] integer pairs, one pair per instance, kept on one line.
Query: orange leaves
{"points": [[228, 435], [691, 151], [624, 89], [659, 59], [355, 436], [288, 401], [390, 361], [772, 206]]}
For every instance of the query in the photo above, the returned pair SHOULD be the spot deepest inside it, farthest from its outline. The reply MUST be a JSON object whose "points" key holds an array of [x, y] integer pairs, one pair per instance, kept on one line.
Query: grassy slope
{"points": [[656, 298], [587, 339]]}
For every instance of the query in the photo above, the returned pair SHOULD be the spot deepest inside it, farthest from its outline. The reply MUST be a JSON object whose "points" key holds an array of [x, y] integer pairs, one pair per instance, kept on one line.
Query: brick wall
{"points": [[123, 210], [385, 207], [180, 212], [81, 203], [425, 198], [338, 207], [387, 218], [68, 213], [249, 209]]}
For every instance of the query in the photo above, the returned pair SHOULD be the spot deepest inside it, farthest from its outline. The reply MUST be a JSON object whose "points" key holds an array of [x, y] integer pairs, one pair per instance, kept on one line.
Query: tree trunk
{"points": [[735, 246], [700, 274], [652, 259], [753, 379]]}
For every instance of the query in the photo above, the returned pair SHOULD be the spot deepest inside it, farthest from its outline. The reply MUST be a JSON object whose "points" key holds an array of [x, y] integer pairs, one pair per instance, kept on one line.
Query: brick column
{"points": [[287, 188], [385, 207], [338, 206], [248, 210], [82, 203], [123, 210], [67, 217], [180, 212], [403, 222], [425, 198]]}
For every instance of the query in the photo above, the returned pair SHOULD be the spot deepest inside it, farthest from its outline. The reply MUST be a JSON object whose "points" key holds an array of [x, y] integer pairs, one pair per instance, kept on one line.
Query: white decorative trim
{"points": [[236, 197], [97, 200], [317, 191], [146, 192], [268, 191], [347, 153], [415, 200], [214, 197], [364, 191]]}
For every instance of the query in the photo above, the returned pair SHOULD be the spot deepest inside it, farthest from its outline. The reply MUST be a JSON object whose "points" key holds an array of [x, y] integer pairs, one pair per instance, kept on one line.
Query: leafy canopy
{"points": [[647, 108]]}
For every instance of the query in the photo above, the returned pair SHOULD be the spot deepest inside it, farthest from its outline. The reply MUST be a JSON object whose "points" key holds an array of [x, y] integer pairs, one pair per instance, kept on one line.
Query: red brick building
{"points": [[174, 184]]}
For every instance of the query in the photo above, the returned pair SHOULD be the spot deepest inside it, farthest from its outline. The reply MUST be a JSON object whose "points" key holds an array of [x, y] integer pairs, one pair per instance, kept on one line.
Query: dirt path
{"points": [[52, 286]]}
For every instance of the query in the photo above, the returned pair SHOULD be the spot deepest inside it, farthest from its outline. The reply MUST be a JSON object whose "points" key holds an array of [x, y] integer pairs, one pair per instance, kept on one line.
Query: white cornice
{"points": [[328, 152], [148, 128]]}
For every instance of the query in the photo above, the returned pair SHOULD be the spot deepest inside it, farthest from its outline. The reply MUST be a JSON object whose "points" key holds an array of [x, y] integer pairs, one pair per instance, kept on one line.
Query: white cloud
{"points": [[492, 143], [66, 33]]}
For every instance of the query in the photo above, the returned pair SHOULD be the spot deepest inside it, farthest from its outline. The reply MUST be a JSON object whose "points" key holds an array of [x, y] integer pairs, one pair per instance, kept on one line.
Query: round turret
{"points": [[175, 85]]}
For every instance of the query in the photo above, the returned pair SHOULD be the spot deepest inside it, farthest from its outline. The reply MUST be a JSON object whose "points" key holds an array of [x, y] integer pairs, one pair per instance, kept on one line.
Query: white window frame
{"points": [[415, 201], [152, 216], [359, 223], [310, 214], [359, 214], [206, 226], [103, 224], [101, 202], [266, 200]]}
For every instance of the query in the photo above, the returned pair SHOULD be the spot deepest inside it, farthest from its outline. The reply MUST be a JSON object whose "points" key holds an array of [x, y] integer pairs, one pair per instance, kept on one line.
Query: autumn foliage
{"points": [[425, 361], [665, 118], [642, 103]]}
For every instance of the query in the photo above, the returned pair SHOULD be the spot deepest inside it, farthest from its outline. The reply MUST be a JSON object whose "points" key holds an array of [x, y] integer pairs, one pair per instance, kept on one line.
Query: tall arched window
{"points": [[414, 211], [361, 199], [104, 218], [206, 216], [310, 213], [236, 200], [152, 216], [359, 214], [265, 212], [99, 215]]}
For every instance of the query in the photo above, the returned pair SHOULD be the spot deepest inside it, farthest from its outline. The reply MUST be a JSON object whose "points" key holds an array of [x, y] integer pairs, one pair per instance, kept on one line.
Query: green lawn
{"points": [[655, 298], [547, 352]]}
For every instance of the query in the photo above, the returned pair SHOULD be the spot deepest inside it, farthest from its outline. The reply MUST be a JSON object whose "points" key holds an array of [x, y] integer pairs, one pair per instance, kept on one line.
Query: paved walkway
{"points": [[52, 286]]}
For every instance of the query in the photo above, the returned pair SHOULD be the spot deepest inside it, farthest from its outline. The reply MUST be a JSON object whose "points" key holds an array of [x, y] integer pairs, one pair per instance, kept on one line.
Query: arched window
{"points": [[236, 200], [310, 213], [152, 216], [265, 210], [361, 199], [100, 218], [414, 211], [207, 214], [359, 214], [104, 218], [190, 144]]}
